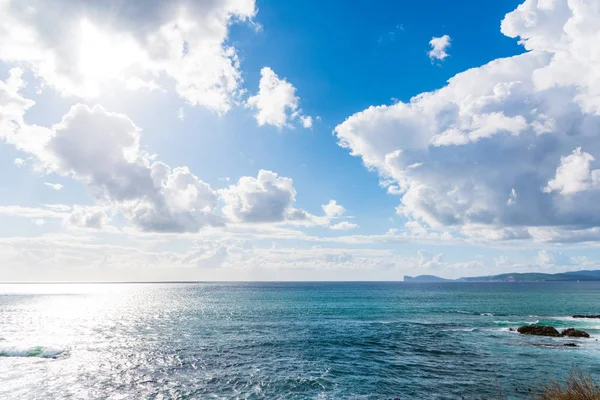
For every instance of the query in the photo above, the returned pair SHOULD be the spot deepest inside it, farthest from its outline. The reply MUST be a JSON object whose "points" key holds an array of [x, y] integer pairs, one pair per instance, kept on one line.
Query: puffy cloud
{"points": [[545, 258], [438, 48], [102, 149], [266, 198], [307, 121], [96, 42], [276, 102], [478, 153], [19, 162], [54, 186], [270, 198], [574, 174], [88, 217], [333, 209], [553, 259]]}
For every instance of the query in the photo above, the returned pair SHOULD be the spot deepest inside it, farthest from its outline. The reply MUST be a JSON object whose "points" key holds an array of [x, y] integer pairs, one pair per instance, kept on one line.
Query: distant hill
{"points": [[571, 276], [533, 277], [595, 274], [426, 278]]}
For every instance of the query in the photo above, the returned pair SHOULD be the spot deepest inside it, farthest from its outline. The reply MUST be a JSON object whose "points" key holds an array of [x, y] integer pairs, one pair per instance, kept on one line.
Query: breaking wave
{"points": [[36, 351]]}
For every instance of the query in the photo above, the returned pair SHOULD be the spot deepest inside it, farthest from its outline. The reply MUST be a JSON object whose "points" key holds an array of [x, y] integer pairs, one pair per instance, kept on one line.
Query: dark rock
{"points": [[555, 345], [572, 332], [511, 329], [586, 316], [538, 330]]}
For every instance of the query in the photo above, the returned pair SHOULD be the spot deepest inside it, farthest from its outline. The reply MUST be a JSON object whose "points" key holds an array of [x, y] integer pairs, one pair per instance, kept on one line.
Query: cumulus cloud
{"points": [[438, 48], [54, 186], [102, 149], [88, 217], [333, 209], [99, 42], [276, 102], [493, 150], [266, 198], [551, 259], [574, 174]]}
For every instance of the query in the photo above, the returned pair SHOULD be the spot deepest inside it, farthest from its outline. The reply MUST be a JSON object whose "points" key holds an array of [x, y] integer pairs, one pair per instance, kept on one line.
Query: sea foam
{"points": [[35, 351]]}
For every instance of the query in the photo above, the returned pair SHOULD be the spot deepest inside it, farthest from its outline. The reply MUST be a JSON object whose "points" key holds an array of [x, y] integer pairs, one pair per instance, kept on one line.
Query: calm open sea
{"points": [[288, 340]]}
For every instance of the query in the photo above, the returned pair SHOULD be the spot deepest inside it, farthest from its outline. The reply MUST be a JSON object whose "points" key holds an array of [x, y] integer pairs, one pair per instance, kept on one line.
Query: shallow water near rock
{"points": [[290, 340]]}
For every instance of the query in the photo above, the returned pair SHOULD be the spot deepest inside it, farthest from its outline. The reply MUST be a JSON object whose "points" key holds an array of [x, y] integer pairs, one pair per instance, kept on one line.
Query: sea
{"points": [[368, 340]]}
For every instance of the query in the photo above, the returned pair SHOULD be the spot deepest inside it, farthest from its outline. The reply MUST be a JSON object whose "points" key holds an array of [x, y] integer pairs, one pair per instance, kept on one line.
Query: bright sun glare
{"points": [[103, 57]]}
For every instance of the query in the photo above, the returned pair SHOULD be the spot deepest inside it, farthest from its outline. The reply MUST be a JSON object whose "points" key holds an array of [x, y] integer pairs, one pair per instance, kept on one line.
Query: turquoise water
{"points": [[289, 340]]}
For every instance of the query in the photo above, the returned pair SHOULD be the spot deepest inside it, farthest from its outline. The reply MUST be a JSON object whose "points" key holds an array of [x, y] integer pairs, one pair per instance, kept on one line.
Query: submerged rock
{"points": [[586, 316], [555, 345], [572, 332], [538, 330]]}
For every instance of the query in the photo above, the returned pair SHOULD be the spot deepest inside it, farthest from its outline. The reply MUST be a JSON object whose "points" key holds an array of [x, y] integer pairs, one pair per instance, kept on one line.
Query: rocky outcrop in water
{"points": [[538, 330], [542, 330], [555, 345], [572, 332], [586, 316]]}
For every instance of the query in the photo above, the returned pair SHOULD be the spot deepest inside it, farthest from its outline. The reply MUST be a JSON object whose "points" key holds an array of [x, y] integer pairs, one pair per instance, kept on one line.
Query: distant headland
{"points": [[572, 276]]}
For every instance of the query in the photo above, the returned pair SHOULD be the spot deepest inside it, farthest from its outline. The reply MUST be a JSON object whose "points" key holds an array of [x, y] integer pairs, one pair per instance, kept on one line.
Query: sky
{"points": [[271, 140]]}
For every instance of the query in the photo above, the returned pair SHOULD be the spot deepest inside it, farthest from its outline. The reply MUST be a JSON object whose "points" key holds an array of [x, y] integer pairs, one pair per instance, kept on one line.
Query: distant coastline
{"points": [[572, 276]]}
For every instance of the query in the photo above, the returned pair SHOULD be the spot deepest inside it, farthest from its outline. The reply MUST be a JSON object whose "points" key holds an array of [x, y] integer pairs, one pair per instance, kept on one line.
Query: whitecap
{"points": [[36, 351]]}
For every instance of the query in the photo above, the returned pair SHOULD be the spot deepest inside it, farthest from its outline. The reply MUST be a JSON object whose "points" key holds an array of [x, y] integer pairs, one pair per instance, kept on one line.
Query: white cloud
{"points": [[545, 258], [430, 260], [333, 209], [489, 142], [12, 109], [102, 149], [344, 225], [136, 83], [438, 48], [180, 114], [574, 174], [47, 212], [185, 43], [54, 186], [19, 162], [88, 217], [276, 102], [307, 121], [266, 198]]}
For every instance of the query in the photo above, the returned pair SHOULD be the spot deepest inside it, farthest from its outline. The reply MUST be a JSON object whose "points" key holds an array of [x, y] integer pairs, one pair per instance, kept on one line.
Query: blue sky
{"points": [[271, 110]]}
